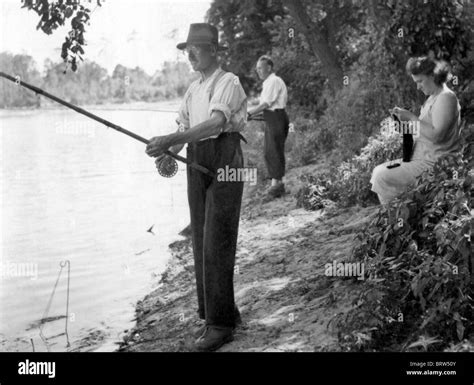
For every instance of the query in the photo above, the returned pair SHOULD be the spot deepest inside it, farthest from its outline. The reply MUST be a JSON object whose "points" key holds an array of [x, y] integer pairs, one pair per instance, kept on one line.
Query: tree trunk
{"points": [[326, 54]]}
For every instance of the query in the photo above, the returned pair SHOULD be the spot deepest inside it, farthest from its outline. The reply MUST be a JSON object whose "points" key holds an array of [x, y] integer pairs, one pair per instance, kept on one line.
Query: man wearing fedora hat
{"points": [[211, 117]]}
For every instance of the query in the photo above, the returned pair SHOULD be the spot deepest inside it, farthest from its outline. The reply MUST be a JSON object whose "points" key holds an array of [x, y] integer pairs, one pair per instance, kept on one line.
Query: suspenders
{"points": [[213, 87], [214, 83], [211, 94]]}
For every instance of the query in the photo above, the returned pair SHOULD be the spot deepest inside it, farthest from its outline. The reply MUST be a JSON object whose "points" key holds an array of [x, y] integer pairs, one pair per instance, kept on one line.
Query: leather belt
{"points": [[233, 133]]}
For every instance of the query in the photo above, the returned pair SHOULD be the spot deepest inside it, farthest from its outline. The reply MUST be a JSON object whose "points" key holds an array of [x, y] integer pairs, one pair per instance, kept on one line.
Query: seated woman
{"points": [[437, 128]]}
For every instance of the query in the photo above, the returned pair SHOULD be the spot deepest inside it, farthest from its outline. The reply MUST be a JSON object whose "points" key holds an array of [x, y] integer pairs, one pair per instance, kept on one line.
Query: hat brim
{"points": [[182, 46]]}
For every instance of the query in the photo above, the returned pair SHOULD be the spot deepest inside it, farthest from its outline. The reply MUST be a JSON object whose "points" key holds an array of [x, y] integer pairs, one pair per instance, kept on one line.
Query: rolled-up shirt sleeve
{"points": [[270, 91], [228, 96]]}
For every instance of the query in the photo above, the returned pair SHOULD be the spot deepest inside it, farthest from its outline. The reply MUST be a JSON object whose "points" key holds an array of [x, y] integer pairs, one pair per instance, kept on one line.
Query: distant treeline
{"points": [[90, 84]]}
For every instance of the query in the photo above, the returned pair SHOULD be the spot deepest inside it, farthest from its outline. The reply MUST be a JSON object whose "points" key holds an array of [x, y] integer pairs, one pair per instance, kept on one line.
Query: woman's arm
{"points": [[443, 115]]}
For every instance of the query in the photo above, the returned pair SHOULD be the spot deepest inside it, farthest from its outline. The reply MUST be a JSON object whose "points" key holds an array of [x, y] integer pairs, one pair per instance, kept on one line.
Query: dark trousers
{"points": [[276, 131], [215, 211]]}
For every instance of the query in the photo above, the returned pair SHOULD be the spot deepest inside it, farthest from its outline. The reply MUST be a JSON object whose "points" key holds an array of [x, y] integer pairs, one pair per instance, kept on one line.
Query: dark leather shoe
{"points": [[275, 192], [200, 331], [213, 338]]}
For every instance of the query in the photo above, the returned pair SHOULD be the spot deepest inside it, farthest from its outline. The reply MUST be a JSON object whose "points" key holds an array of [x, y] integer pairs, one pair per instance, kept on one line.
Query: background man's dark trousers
{"points": [[215, 212], [276, 132]]}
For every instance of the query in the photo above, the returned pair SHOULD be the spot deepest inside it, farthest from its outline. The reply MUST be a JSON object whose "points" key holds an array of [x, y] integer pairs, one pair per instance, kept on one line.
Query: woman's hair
{"points": [[425, 65]]}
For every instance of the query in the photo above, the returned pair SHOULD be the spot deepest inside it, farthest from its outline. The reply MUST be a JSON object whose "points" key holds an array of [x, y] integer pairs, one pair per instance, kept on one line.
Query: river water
{"points": [[75, 190]]}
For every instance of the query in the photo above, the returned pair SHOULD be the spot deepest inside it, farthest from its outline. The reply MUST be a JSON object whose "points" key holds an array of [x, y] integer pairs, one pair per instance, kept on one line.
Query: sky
{"points": [[133, 33]]}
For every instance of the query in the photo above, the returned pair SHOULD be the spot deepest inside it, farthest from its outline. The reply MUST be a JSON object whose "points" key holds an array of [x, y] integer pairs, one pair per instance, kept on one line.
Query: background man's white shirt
{"points": [[274, 92]]}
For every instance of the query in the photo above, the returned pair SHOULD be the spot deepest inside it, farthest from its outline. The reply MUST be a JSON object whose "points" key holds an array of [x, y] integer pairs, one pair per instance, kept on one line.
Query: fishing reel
{"points": [[167, 167]]}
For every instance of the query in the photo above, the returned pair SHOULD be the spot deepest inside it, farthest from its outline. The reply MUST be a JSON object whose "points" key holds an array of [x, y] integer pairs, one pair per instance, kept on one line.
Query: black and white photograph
{"points": [[273, 178]]}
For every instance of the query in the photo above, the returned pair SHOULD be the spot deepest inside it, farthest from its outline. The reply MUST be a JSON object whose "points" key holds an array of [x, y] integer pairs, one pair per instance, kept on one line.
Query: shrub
{"points": [[308, 140], [417, 255], [253, 150], [312, 196], [348, 183]]}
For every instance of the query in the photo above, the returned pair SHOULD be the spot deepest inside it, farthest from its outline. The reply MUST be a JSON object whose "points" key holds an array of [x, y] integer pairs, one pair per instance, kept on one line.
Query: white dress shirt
{"points": [[274, 92], [228, 97]]}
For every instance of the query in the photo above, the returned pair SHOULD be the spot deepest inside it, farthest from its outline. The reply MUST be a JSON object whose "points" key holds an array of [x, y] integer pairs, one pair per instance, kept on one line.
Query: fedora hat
{"points": [[202, 33]]}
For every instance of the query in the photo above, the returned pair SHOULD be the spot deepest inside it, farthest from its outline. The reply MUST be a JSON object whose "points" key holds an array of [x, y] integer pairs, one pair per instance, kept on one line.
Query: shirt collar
{"points": [[270, 76], [214, 74]]}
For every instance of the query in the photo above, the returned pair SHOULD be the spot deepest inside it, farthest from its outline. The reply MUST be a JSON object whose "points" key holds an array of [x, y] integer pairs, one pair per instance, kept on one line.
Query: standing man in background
{"points": [[212, 115], [273, 103]]}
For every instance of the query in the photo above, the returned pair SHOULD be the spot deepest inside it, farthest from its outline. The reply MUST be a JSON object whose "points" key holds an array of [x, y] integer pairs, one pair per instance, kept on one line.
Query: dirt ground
{"points": [[286, 301]]}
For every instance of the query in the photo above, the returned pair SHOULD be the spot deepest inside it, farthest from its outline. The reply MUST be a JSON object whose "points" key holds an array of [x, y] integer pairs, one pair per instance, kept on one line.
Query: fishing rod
{"points": [[80, 110]]}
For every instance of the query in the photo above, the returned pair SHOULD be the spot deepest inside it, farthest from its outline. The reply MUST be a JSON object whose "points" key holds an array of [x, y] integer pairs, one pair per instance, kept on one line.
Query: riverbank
{"points": [[286, 300]]}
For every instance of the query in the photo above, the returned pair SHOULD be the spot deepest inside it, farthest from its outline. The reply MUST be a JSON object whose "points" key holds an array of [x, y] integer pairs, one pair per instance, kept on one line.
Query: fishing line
{"points": [[62, 264]]}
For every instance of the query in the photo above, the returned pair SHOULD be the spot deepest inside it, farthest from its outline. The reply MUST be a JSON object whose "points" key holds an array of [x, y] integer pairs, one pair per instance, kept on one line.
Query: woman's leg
{"points": [[389, 183]]}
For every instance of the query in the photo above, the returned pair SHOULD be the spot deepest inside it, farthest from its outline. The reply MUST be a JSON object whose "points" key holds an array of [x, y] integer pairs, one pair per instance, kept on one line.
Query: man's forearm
{"points": [[200, 131], [261, 107]]}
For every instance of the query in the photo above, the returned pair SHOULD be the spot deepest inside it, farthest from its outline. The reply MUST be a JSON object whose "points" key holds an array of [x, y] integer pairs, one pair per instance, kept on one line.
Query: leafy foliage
{"points": [[417, 255], [313, 195], [442, 28], [54, 14], [348, 183], [265, 27], [242, 26]]}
